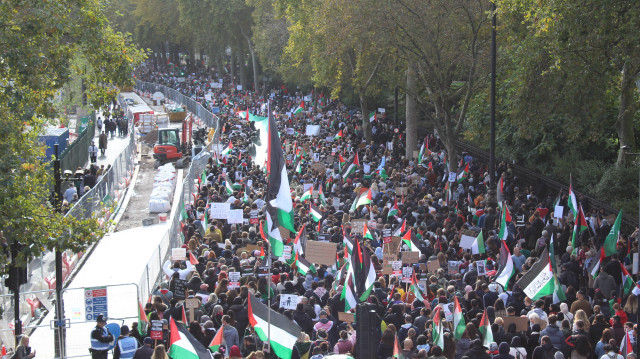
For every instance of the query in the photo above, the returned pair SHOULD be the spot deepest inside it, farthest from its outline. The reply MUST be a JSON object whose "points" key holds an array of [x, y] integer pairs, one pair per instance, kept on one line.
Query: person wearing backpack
{"points": [[545, 350]]}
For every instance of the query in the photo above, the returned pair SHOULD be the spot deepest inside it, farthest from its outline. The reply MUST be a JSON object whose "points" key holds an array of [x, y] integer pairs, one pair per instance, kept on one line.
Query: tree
{"points": [[447, 42], [40, 40]]}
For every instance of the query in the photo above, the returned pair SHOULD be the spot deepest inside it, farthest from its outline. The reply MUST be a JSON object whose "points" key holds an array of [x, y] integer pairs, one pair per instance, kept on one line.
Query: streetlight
{"points": [[625, 149]]}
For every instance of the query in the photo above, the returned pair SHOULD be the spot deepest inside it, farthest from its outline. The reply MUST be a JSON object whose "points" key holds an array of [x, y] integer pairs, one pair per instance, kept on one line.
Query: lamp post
{"points": [[492, 200], [59, 338], [625, 149]]}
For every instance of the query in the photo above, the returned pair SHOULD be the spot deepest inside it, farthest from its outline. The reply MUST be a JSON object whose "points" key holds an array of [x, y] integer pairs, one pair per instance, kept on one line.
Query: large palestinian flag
{"points": [[354, 164], [539, 281], [507, 268], [279, 204], [282, 333], [183, 345]]}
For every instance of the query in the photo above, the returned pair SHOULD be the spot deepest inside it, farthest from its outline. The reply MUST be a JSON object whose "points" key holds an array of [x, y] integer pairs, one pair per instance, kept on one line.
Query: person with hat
{"points": [[101, 339], [125, 346], [145, 351]]}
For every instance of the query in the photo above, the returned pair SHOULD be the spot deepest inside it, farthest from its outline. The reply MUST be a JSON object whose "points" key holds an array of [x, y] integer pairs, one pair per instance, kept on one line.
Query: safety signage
{"points": [[95, 302]]}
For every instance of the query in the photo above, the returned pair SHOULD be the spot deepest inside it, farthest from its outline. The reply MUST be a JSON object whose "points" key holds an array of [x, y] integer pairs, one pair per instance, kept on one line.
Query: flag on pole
{"points": [[366, 233], [307, 195], [341, 161], [463, 175], [397, 353], [364, 199], [321, 197], [458, 320], [394, 210], [627, 281], [283, 333], [184, 316], [573, 201], [354, 164], [504, 230], [406, 239], [626, 346], [228, 184], [500, 191], [398, 231], [372, 116], [539, 281], [579, 227], [338, 135], [143, 321], [216, 342], [298, 110], [279, 205], [304, 266], [348, 291], [183, 345], [507, 268], [478, 245], [437, 331], [315, 212], [415, 289], [596, 269], [612, 237], [227, 150], [485, 329]]}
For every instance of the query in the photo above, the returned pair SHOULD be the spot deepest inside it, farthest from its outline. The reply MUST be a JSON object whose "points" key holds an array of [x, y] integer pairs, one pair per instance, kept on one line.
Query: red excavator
{"points": [[171, 145]]}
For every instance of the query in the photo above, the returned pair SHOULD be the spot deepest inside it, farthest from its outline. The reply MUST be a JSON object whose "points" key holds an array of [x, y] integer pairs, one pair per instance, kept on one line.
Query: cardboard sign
{"points": [[180, 289], [321, 252], [407, 272], [234, 280], [329, 160], [357, 226], [433, 266], [396, 268], [522, 323], [178, 254], [453, 267], [249, 248], [156, 329], [346, 317], [288, 301], [402, 191], [393, 246], [191, 304], [318, 166], [410, 257]]}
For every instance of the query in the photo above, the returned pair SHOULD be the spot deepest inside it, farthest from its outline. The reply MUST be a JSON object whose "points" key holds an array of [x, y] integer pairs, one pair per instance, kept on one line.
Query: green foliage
{"points": [[619, 187]]}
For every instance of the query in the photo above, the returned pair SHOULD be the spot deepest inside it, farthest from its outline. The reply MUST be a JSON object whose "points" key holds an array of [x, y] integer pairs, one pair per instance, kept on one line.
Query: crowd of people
{"points": [[595, 319]]}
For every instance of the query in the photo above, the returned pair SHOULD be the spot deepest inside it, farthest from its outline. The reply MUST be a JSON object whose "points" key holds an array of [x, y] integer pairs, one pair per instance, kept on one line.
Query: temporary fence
{"points": [[153, 271], [76, 154]]}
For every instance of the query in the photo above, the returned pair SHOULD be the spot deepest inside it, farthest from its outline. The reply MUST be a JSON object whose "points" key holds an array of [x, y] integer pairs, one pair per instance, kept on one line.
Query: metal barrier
{"points": [[30, 306], [153, 270], [77, 154]]}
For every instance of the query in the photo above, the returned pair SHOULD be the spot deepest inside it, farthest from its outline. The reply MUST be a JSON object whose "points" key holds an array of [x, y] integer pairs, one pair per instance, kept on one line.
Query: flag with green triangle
{"points": [[394, 210], [216, 342], [573, 200], [458, 320], [627, 282], [478, 245], [612, 238], [437, 331], [485, 330]]}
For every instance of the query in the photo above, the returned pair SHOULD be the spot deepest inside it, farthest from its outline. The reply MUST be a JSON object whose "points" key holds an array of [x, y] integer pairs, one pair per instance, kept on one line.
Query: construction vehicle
{"points": [[174, 144]]}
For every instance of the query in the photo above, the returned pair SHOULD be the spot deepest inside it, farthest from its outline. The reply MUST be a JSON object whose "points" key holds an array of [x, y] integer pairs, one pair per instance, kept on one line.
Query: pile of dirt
{"points": [[150, 138]]}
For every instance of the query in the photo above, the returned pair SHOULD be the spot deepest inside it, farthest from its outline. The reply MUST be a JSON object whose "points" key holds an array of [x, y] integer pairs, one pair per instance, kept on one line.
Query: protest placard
{"points": [[156, 329], [234, 280], [346, 317], [433, 266], [234, 216], [249, 248], [409, 257], [288, 301], [321, 252], [407, 272], [357, 226], [178, 254], [219, 210], [179, 289]]}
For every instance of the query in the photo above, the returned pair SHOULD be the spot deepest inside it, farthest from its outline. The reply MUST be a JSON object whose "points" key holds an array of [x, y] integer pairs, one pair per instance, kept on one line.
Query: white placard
{"points": [[390, 146], [316, 157], [288, 301], [216, 85], [312, 130], [466, 241], [286, 252], [239, 87], [250, 183], [452, 176], [634, 269], [234, 216], [207, 96], [336, 202], [367, 168], [482, 270], [407, 272], [290, 131], [558, 211], [306, 186], [234, 280], [178, 254], [381, 109], [219, 210]]}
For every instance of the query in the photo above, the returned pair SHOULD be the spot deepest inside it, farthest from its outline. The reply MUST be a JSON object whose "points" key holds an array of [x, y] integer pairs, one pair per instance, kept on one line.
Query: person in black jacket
{"points": [[303, 320], [503, 352], [477, 351]]}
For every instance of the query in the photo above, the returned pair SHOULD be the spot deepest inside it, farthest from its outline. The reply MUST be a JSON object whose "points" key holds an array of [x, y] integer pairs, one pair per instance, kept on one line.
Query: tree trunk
{"points": [[626, 112], [254, 61], [366, 125], [242, 69], [411, 111], [233, 66], [192, 61]]}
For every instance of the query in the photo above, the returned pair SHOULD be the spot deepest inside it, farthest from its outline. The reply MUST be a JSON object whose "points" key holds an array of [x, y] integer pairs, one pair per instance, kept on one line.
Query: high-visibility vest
{"points": [[96, 344], [128, 347]]}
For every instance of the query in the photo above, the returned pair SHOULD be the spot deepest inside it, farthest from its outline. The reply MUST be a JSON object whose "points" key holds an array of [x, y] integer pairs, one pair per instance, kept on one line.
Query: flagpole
{"points": [[269, 264]]}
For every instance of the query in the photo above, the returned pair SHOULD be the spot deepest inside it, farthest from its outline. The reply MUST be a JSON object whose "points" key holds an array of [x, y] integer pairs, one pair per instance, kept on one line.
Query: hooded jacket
{"points": [[555, 334]]}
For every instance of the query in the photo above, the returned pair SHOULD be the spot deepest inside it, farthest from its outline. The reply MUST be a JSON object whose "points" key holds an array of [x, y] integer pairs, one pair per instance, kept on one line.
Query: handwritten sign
{"points": [[179, 254], [410, 257], [386, 235], [156, 329], [191, 304], [433, 266], [321, 252], [392, 247], [179, 289], [219, 210], [357, 226], [234, 216], [249, 248]]}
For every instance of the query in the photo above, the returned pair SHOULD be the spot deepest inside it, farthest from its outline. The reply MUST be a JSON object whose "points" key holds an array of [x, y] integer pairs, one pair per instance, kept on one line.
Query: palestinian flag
{"points": [[243, 114], [437, 332], [539, 281], [415, 289], [423, 150], [626, 347], [182, 345], [279, 206], [572, 201], [321, 197], [364, 274], [341, 162], [143, 321], [315, 212], [297, 168], [307, 195], [558, 292], [348, 291], [216, 342], [183, 213], [228, 185], [506, 217], [354, 164], [627, 281], [485, 329], [507, 268], [464, 174], [406, 239], [192, 259], [500, 191], [184, 316], [394, 210], [227, 150], [478, 245], [596, 269], [203, 177], [612, 237], [372, 116], [397, 353], [579, 227], [398, 231], [299, 109], [284, 333], [364, 199], [338, 135], [205, 219], [458, 320], [366, 233], [636, 290], [300, 242], [304, 266]]}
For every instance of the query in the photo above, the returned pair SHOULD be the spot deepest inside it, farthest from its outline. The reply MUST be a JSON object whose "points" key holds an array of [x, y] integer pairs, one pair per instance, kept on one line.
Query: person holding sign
{"points": [[169, 270]]}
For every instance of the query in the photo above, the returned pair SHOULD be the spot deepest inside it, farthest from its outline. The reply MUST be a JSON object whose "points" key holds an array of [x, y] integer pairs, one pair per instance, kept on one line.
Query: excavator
{"points": [[173, 144]]}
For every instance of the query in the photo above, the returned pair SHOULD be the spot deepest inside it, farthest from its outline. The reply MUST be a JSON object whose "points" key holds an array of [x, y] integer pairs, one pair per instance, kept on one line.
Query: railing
{"points": [[153, 270], [76, 154]]}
